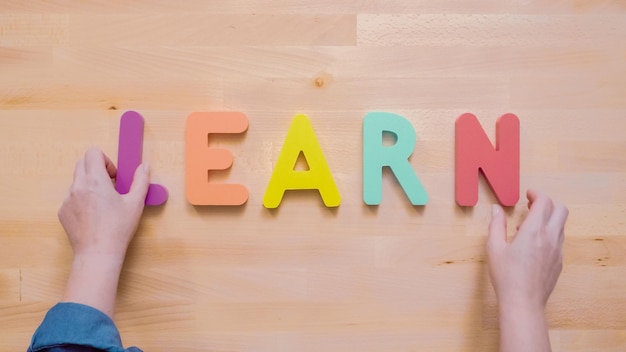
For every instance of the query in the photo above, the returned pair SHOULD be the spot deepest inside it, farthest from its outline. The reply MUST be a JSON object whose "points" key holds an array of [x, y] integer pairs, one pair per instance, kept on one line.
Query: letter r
{"points": [[396, 157]]}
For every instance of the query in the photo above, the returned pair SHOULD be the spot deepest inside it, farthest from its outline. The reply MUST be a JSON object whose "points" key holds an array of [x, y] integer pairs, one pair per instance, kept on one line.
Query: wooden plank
{"points": [[303, 277]]}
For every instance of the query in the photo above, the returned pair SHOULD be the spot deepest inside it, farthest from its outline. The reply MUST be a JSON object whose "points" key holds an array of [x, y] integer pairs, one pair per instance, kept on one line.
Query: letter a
{"points": [[301, 139], [396, 157], [499, 165], [200, 159]]}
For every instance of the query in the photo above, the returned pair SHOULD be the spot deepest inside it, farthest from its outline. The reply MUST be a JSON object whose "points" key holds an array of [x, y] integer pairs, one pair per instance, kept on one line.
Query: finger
{"points": [[561, 237], [95, 164], [141, 182], [497, 227], [540, 211], [93, 158], [79, 169], [110, 167], [536, 196], [557, 221], [531, 195]]}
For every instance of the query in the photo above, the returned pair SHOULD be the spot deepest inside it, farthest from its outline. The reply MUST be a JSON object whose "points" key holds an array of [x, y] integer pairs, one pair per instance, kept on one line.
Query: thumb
{"points": [[141, 181], [497, 227]]}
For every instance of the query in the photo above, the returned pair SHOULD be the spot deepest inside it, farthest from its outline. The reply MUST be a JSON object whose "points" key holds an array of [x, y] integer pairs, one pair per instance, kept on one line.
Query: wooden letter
{"points": [[129, 155], [301, 139], [499, 165], [200, 159], [396, 157]]}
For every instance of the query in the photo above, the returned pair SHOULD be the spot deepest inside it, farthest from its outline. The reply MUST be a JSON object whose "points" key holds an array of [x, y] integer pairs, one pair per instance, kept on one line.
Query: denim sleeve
{"points": [[77, 327]]}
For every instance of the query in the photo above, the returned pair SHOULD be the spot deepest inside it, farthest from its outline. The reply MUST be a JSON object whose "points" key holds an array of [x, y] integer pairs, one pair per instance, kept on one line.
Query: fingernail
{"points": [[145, 167], [495, 210]]}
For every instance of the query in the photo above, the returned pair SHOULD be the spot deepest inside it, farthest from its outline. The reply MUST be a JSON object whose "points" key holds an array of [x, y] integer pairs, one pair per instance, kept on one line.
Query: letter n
{"points": [[500, 165]]}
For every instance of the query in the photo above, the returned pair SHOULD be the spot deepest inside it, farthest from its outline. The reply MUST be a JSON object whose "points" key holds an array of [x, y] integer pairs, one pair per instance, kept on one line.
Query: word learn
{"points": [[474, 155]]}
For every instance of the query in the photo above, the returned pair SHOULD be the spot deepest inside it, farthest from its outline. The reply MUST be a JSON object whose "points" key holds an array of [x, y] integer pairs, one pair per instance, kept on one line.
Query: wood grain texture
{"points": [[305, 278]]}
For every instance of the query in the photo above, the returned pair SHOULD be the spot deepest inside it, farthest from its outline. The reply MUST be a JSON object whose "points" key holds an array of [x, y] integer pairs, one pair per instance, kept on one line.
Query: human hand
{"points": [[525, 269], [98, 220], [100, 224]]}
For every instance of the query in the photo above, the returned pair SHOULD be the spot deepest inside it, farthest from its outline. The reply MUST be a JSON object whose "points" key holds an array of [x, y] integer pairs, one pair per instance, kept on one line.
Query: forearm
{"points": [[523, 330], [93, 281]]}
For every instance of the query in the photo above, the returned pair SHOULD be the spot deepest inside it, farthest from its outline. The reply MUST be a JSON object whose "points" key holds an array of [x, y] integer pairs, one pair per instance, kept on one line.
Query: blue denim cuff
{"points": [[79, 325]]}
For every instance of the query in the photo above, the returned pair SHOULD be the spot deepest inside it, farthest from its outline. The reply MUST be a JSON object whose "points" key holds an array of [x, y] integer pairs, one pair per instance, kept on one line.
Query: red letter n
{"points": [[499, 165]]}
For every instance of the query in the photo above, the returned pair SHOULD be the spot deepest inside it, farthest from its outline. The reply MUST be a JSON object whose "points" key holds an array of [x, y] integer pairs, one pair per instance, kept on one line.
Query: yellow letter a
{"points": [[301, 138]]}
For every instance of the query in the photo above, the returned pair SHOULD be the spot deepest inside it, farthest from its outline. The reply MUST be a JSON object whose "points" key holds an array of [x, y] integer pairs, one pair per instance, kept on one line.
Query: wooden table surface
{"points": [[303, 277]]}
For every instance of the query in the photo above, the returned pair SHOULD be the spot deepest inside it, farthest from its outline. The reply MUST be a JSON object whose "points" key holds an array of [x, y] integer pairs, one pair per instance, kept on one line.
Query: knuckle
{"points": [[74, 190], [79, 191], [540, 204], [560, 206], [91, 151], [565, 210]]}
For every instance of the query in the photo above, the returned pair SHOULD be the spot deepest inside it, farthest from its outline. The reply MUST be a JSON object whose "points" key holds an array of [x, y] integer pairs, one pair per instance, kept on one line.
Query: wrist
{"points": [[93, 280], [523, 327], [101, 257], [98, 265], [522, 300], [520, 308]]}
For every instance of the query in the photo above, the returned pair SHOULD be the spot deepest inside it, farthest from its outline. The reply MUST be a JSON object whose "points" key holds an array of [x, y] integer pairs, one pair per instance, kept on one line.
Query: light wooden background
{"points": [[305, 278]]}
